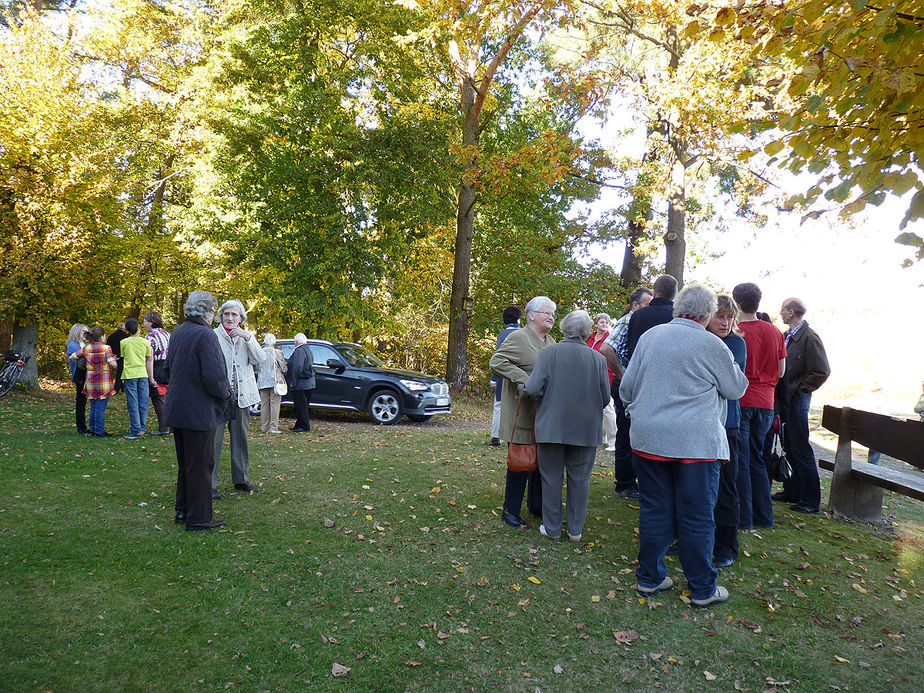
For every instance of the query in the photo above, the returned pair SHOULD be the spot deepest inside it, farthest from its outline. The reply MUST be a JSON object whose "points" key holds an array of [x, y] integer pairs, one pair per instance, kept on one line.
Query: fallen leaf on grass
{"points": [[625, 637], [709, 676], [339, 670], [749, 624], [534, 580], [860, 589], [327, 522], [841, 660], [557, 669], [412, 663]]}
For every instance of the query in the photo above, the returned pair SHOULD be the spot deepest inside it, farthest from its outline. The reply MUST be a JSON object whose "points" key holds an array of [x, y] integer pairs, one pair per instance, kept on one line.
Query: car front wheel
{"points": [[385, 407]]}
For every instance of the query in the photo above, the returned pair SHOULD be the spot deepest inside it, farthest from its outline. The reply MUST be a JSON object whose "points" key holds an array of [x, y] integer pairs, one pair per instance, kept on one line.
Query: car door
{"points": [[330, 386]]}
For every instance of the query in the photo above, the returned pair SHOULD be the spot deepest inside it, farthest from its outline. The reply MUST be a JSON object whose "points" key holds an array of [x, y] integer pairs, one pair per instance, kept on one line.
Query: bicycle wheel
{"points": [[8, 377]]}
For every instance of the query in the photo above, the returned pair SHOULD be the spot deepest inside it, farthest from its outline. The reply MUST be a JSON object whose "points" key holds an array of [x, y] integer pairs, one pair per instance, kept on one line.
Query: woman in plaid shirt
{"points": [[100, 385]]}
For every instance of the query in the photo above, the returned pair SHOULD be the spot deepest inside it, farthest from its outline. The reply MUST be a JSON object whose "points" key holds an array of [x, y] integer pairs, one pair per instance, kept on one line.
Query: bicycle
{"points": [[13, 365]]}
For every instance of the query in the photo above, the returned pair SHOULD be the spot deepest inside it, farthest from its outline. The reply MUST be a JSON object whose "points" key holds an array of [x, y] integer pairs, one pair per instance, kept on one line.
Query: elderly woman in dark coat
{"points": [[676, 390], [197, 402], [572, 385]]}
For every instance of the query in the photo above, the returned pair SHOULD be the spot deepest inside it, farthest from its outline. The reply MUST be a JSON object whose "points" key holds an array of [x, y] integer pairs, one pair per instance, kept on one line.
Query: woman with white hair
{"points": [[301, 379], [76, 339], [271, 379], [242, 354], [514, 361], [675, 390], [571, 383]]}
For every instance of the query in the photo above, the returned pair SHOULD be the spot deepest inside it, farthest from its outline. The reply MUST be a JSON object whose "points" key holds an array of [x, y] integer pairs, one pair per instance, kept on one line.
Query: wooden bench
{"points": [[856, 487]]}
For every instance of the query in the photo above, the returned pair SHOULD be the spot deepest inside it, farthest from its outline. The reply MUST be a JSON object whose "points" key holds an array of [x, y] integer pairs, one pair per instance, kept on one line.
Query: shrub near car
{"points": [[350, 377]]}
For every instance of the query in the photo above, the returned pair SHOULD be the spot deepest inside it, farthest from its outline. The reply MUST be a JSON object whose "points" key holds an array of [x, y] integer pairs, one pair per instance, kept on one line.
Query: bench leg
{"points": [[849, 497]]}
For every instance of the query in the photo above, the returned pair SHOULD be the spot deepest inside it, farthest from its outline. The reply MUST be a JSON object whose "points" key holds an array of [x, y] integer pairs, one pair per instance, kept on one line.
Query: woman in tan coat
{"points": [[514, 362]]}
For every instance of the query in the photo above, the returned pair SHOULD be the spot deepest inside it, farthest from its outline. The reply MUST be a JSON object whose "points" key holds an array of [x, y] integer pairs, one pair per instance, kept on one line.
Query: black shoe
{"points": [[724, 563], [160, 433], [630, 493], [803, 508], [84, 432], [102, 435], [515, 521], [248, 487], [216, 495], [180, 518], [494, 442], [199, 526], [299, 430], [783, 497]]}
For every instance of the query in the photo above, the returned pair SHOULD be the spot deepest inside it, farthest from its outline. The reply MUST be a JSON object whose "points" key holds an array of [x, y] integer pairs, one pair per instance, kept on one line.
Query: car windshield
{"points": [[359, 356]]}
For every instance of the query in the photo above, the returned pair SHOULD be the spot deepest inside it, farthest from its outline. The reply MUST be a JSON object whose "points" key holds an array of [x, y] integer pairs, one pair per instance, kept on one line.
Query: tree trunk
{"points": [[640, 215], [675, 244], [25, 340], [460, 301]]}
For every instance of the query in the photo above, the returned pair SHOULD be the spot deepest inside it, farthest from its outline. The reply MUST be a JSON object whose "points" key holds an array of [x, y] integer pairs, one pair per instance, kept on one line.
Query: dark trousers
{"points": [[81, 408], [195, 456], [624, 470], [726, 505], [157, 401], [515, 489], [302, 401], [804, 486]]}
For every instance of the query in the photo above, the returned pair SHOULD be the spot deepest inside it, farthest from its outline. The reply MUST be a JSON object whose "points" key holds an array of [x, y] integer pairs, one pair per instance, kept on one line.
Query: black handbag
{"points": [[160, 371], [778, 467]]}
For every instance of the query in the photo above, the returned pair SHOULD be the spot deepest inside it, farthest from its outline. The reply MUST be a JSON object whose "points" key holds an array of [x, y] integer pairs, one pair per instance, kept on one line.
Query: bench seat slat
{"points": [[908, 484]]}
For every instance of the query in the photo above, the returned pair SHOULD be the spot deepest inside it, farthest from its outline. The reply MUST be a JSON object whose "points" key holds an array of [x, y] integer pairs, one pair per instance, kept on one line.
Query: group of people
{"points": [[201, 380], [697, 381], [100, 368]]}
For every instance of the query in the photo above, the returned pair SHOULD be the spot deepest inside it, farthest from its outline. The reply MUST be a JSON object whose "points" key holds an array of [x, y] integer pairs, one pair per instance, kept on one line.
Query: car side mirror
{"points": [[336, 364]]}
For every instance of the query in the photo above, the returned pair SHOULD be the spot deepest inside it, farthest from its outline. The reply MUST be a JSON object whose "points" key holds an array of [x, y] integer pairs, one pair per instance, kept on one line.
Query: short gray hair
{"points": [[696, 302], [535, 304], [300, 339], [600, 316], [200, 304], [269, 339], [233, 303], [576, 324]]}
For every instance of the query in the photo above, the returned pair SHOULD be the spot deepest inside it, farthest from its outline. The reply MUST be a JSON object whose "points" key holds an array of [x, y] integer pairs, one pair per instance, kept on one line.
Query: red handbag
{"points": [[521, 457]]}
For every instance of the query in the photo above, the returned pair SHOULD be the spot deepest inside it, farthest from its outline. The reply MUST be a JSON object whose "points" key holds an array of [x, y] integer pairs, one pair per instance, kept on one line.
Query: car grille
{"points": [[439, 389]]}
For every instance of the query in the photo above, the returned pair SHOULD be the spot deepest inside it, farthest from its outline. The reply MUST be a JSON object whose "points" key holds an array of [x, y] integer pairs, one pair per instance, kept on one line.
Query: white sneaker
{"points": [[546, 534], [665, 585], [611, 448], [574, 537], [720, 596]]}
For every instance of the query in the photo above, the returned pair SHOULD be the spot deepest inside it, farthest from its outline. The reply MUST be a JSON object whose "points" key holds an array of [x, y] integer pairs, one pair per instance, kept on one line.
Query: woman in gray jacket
{"points": [[676, 390], [572, 385]]}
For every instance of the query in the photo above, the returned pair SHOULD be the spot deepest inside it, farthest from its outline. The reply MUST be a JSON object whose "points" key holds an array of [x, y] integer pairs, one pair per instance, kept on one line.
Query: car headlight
{"points": [[414, 386]]}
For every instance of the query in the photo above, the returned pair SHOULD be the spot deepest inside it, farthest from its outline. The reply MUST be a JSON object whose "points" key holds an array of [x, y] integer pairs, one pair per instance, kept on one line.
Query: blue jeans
{"points": [[136, 399], [806, 488], [677, 500], [753, 482], [98, 415]]}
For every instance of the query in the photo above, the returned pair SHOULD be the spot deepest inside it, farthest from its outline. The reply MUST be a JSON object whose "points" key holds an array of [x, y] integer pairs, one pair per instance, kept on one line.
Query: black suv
{"points": [[351, 377]]}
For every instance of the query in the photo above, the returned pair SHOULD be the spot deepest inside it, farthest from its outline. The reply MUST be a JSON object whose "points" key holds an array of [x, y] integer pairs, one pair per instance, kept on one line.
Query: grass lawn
{"points": [[375, 560]]}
